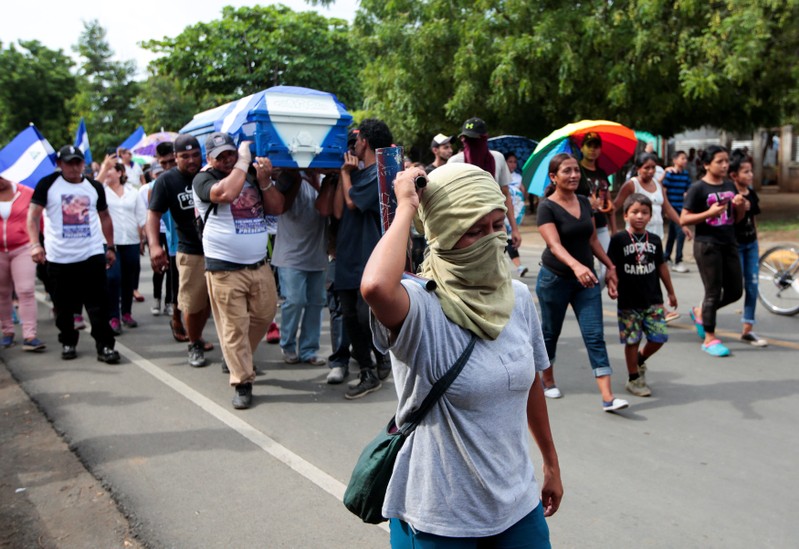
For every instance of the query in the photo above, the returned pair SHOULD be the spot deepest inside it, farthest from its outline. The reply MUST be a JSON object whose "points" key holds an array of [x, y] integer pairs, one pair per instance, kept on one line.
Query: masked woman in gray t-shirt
{"points": [[465, 472]]}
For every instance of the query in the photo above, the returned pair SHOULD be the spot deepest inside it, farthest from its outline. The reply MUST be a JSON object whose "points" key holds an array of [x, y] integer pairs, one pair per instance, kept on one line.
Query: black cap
{"points": [[592, 137], [186, 142], [69, 152], [218, 142], [165, 148], [474, 127]]}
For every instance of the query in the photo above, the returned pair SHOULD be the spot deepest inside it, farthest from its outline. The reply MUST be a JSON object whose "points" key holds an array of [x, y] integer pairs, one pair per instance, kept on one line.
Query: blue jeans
{"points": [[555, 294], [675, 234], [531, 532], [123, 278], [749, 254], [305, 298]]}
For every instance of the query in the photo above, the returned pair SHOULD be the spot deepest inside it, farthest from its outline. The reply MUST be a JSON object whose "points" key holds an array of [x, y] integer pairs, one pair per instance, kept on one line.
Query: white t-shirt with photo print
{"points": [[72, 230]]}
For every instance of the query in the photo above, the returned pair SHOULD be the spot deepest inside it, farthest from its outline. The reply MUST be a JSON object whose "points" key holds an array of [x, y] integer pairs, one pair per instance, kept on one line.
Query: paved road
{"points": [[708, 461]]}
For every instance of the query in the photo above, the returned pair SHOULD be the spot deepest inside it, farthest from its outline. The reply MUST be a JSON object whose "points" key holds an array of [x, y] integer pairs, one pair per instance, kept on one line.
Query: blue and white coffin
{"points": [[295, 127]]}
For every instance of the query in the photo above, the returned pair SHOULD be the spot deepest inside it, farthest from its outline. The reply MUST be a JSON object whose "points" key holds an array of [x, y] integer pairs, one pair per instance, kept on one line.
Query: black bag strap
{"points": [[211, 208], [439, 388]]}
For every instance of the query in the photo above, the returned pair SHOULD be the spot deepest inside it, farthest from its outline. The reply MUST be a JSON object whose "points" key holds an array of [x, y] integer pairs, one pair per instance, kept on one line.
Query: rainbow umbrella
{"points": [[618, 145]]}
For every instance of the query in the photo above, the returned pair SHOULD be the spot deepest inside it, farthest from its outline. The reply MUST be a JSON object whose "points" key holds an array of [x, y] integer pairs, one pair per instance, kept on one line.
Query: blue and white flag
{"points": [[134, 139], [28, 158], [82, 142]]}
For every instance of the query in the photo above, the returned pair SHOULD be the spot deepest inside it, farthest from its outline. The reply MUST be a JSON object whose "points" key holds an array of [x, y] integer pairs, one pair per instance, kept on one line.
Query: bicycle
{"points": [[778, 272]]}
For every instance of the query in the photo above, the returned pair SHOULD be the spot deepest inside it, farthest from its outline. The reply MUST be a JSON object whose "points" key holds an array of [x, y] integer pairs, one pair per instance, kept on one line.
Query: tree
{"points": [[250, 49], [165, 103], [531, 66], [35, 86], [106, 90]]}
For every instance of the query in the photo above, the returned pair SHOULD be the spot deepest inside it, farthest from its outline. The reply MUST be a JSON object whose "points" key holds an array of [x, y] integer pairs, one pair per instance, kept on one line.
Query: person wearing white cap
{"points": [[442, 150]]}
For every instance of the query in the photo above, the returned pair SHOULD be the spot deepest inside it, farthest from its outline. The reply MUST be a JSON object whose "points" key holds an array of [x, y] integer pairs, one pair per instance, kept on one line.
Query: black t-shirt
{"points": [[698, 199], [575, 234], [590, 183], [359, 229], [637, 259], [745, 230], [172, 192]]}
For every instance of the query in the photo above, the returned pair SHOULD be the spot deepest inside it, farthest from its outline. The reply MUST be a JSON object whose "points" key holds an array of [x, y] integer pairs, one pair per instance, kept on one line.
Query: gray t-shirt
{"points": [[301, 241], [465, 471]]}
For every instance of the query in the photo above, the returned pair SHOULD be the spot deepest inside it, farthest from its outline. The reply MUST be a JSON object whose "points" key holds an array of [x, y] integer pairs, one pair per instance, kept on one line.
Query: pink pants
{"points": [[18, 273]]}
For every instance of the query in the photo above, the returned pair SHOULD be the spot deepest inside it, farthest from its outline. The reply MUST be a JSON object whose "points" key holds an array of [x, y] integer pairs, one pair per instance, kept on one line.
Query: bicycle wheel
{"points": [[778, 287]]}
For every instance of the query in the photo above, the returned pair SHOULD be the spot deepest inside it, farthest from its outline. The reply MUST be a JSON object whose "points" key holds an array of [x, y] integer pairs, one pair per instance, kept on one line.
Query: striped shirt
{"points": [[676, 185]]}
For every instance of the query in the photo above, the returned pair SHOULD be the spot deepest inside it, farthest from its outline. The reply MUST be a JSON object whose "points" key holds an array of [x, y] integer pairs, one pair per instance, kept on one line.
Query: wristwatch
{"points": [[112, 249]]}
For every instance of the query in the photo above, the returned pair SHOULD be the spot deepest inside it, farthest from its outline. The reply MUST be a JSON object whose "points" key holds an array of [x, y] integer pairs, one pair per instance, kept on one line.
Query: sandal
{"points": [[700, 330], [178, 331], [672, 316], [207, 345], [716, 348]]}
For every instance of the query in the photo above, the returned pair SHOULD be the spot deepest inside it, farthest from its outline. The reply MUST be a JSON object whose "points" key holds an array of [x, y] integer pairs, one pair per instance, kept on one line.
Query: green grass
{"points": [[778, 224]]}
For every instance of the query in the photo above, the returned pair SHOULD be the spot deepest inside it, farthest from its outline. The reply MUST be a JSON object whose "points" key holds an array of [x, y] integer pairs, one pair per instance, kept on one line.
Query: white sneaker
{"points": [[156, 308], [680, 268], [336, 375], [522, 270], [553, 392], [615, 404]]}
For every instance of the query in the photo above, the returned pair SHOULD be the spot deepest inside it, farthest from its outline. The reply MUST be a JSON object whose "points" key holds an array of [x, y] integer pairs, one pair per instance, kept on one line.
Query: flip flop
{"points": [[207, 346], [671, 316], [716, 348], [178, 331], [700, 330]]}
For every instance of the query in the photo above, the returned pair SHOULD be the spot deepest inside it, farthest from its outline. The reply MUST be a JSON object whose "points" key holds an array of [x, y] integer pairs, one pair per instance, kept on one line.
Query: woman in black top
{"points": [[567, 277], [713, 205]]}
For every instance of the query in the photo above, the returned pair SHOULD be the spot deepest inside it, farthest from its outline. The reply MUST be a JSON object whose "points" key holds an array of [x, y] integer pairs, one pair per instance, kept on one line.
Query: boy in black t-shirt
{"points": [[638, 257]]}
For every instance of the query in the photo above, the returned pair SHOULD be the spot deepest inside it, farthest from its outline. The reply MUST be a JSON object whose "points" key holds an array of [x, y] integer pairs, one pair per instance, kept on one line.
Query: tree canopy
{"points": [[424, 66], [531, 66], [35, 86], [254, 48], [107, 91]]}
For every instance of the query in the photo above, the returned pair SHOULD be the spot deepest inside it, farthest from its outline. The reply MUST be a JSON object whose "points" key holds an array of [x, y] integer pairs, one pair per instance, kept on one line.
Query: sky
{"points": [[58, 24]]}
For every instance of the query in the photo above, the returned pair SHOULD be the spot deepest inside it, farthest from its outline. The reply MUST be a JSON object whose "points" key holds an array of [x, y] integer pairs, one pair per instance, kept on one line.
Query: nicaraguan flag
{"points": [[82, 142], [133, 140], [28, 158]]}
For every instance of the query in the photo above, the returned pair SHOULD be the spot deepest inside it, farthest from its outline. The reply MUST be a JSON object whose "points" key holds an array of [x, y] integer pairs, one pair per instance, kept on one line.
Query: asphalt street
{"points": [[707, 461]]}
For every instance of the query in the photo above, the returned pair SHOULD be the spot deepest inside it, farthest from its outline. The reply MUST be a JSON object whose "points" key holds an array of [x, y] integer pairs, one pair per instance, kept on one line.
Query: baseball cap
{"points": [[218, 142], [592, 137], [440, 139], [156, 169], [69, 152], [165, 148], [186, 142], [474, 127]]}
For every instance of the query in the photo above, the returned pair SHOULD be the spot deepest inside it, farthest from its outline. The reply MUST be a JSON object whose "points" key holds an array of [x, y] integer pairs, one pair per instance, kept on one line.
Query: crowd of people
{"points": [[210, 242]]}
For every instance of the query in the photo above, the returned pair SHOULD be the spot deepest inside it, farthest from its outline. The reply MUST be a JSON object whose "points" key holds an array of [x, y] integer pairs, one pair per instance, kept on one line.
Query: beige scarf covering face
{"points": [[474, 283]]}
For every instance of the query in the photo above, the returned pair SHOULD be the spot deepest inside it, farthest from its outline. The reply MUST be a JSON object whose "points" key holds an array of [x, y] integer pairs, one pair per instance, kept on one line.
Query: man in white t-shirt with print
{"points": [[240, 282], [76, 226]]}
